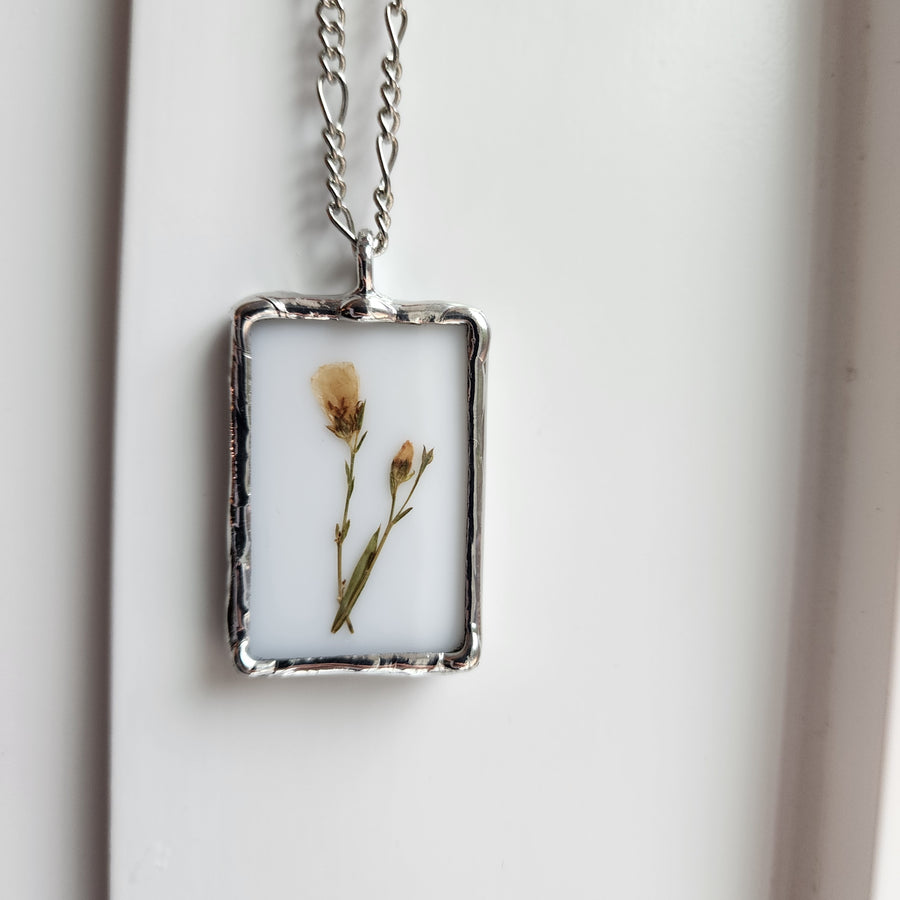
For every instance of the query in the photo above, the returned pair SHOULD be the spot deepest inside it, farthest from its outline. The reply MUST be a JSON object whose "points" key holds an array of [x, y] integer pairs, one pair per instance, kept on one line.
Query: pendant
{"points": [[357, 435]]}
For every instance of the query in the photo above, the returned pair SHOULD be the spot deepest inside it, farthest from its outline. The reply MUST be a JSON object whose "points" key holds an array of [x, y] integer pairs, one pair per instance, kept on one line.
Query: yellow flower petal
{"points": [[336, 386]]}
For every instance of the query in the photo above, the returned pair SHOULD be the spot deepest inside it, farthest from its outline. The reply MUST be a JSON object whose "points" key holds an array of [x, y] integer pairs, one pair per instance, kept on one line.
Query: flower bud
{"points": [[401, 466]]}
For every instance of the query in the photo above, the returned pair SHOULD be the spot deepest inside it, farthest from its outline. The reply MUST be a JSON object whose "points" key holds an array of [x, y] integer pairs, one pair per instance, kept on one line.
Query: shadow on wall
{"points": [[841, 624], [104, 172]]}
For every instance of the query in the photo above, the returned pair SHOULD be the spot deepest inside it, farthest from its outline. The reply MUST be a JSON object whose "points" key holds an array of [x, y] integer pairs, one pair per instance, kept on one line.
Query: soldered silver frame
{"points": [[363, 307]]}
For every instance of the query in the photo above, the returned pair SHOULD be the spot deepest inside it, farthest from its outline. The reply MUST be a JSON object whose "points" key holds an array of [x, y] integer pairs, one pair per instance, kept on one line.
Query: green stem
{"points": [[412, 490], [342, 533], [343, 614]]}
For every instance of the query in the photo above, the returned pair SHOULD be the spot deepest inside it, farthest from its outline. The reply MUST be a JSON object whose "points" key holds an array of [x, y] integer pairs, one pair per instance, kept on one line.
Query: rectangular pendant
{"points": [[357, 434]]}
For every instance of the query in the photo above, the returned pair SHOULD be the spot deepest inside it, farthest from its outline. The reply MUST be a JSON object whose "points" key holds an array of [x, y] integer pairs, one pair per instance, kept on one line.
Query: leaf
{"points": [[346, 530], [405, 512], [337, 533], [350, 488], [361, 411], [359, 443], [356, 582], [347, 470], [363, 561]]}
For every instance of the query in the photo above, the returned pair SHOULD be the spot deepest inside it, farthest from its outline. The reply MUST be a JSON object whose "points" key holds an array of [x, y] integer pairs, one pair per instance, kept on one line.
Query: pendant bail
{"points": [[365, 257], [364, 302]]}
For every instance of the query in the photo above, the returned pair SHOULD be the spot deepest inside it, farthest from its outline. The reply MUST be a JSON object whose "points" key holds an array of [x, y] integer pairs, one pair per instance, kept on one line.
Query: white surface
{"points": [[886, 880], [648, 766], [62, 77], [413, 380], [650, 311]]}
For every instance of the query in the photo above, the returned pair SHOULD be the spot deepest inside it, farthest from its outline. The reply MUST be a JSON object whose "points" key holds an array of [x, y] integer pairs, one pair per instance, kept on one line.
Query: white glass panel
{"points": [[413, 380]]}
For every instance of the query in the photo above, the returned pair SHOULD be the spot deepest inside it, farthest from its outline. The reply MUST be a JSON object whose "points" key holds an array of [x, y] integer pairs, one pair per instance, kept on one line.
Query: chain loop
{"points": [[333, 99]]}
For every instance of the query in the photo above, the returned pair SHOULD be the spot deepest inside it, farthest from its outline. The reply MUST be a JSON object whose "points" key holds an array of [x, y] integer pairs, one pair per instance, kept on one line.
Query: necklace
{"points": [[356, 405]]}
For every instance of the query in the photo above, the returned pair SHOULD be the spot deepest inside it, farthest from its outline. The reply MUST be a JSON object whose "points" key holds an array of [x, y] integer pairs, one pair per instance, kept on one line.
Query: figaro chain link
{"points": [[333, 99]]}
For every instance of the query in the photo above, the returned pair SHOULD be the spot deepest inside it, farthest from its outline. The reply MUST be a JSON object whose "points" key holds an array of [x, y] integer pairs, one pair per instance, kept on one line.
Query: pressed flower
{"points": [[336, 386], [401, 471], [401, 466]]}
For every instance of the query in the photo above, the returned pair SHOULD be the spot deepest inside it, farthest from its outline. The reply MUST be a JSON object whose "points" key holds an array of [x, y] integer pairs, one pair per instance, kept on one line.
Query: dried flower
{"points": [[401, 466], [401, 471], [336, 386]]}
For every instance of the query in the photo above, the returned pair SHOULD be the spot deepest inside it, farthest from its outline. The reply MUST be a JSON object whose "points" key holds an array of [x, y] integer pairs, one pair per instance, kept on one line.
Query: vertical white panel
{"points": [[62, 94], [626, 190]]}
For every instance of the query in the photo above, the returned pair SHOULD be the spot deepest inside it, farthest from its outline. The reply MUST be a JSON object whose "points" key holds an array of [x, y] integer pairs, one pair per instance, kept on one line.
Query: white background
{"points": [[681, 220], [413, 381]]}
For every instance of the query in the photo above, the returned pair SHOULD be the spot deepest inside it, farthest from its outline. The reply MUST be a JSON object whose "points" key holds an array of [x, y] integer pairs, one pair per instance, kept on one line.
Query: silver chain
{"points": [[332, 82]]}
